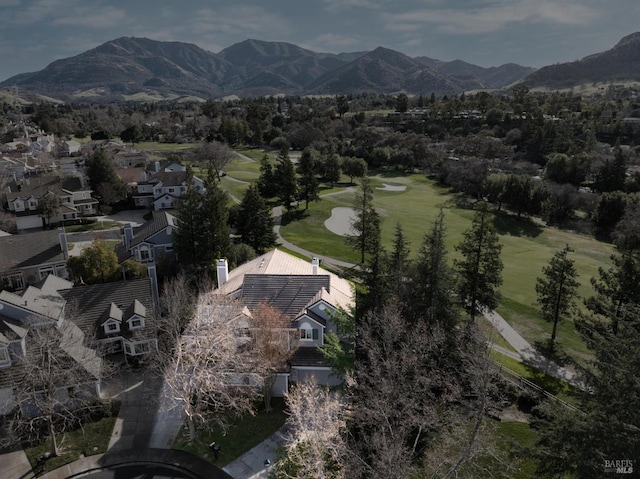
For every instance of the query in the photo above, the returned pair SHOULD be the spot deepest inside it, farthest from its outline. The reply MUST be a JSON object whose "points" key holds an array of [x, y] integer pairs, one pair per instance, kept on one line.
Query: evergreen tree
{"points": [[399, 264], [366, 224], [480, 268], [577, 444], [617, 295], [285, 179], [432, 298], [374, 276], [307, 168], [100, 169], [189, 239], [612, 173], [557, 289], [215, 213], [266, 182], [255, 221]]}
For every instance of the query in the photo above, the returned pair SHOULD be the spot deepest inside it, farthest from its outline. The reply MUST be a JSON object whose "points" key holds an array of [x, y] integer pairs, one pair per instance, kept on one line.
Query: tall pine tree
{"points": [[480, 268], [557, 290], [255, 222], [366, 224], [432, 298]]}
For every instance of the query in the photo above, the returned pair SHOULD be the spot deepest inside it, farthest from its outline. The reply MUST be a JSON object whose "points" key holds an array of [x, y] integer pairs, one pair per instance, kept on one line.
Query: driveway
{"points": [[135, 217]]}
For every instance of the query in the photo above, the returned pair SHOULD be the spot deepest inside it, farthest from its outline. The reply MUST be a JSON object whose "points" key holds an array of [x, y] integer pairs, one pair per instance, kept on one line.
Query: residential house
{"points": [[162, 190], [68, 148], [151, 241], [40, 307], [119, 316], [28, 258], [75, 199], [305, 293]]}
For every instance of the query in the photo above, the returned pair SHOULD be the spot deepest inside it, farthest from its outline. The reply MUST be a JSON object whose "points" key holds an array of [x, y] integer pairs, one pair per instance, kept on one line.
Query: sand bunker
{"points": [[340, 221], [386, 187]]}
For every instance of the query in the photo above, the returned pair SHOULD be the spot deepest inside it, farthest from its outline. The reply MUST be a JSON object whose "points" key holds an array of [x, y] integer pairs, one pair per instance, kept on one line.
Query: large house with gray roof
{"points": [[163, 189], [151, 242], [98, 320], [305, 293], [26, 259], [23, 198]]}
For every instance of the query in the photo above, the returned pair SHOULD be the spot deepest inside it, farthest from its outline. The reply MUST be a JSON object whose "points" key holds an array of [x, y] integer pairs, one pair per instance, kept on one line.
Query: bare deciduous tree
{"points": [[56, 386], [315, 445], [274, 342], [209, 368], [215, 156]]}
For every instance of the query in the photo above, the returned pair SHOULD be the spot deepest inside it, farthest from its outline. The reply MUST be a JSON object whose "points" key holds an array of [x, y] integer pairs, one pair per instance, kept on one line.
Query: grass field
{"points": [[92, 439], [527, 247], [242, 436], [164, 147]]}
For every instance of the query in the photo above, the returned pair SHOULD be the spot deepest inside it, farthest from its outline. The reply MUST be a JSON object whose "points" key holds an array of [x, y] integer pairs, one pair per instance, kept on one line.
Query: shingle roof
{"points": [[159, 222], [10, 330], [171, 178], [288, 293], [277, 262], [32, 249], [46, 304], [306, 356], [94, 300], [68, 353], [39, 186]]}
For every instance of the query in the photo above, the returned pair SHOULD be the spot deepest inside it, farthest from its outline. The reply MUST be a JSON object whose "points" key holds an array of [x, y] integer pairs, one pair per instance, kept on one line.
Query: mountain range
{"points": [[139, 68]]}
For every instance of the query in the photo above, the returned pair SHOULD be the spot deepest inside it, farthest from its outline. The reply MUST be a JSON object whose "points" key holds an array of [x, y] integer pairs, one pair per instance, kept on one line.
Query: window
{"points": [[4, 357], [127, 348], [142, 348], [144, 254], [308, 334], [13, 281], [19, 205], [111, 327], [136, 323], [167, 249], [171, 190], [32, 204], [44, 272]]}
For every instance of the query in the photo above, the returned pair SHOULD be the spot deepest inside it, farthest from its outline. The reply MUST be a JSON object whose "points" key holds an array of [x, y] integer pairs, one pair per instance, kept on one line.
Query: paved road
{"points": [[529, 355]]}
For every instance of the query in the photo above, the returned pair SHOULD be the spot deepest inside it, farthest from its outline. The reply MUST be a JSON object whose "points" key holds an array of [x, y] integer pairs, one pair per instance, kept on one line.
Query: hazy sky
{"points": [[535, 33]]}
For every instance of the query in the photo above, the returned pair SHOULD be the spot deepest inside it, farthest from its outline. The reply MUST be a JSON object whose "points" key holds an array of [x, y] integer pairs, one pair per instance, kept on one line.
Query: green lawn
{"points": [[92, 439], [527, 247], [164, 147], [515, 438], [243, 435]]}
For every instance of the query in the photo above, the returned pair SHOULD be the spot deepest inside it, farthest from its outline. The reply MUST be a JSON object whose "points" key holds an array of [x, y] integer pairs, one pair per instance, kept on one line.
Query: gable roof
{"points": [[39, 186], [170, 178], [288, 293], [155, 225], [46, 304], [338, 293], [31, 249], [94, 302]]}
